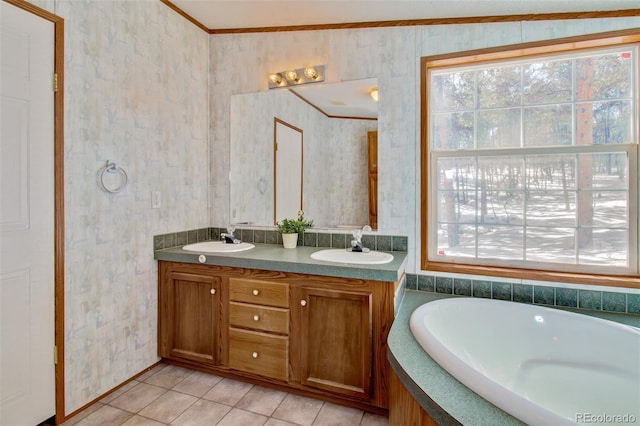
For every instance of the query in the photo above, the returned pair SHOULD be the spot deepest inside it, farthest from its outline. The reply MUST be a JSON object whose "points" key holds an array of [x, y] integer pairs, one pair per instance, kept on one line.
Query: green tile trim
{"points": [[444, 285], [605, 301], [268, 236]]}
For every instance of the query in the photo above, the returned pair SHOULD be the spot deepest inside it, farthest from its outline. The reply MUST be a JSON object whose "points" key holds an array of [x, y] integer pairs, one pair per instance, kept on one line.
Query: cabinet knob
{"points": [[256, 318], [303, 303], [213, 291], [255, 354], [256, 292]]}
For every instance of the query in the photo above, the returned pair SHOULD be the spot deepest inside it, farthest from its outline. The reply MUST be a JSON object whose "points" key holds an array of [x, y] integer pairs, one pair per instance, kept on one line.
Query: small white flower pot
{"points": [[289, 240]]}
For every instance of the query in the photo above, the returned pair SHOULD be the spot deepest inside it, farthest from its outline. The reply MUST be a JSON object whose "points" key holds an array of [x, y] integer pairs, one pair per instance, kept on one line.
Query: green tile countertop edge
{"points": [[447, 400], [298, 260]]}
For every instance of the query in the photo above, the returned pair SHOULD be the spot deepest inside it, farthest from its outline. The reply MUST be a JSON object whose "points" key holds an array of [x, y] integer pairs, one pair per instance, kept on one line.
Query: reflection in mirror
{"points": [[288, 164], [335, 120]]}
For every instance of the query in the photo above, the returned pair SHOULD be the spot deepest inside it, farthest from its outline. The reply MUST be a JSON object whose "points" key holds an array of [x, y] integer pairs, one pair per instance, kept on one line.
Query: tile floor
{"points": [[170, 395]]}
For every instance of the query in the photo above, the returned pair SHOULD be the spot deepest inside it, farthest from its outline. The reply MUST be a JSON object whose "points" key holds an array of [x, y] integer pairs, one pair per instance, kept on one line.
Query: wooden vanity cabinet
{"points": [[189, 310], [318, 336], [336, 340]]}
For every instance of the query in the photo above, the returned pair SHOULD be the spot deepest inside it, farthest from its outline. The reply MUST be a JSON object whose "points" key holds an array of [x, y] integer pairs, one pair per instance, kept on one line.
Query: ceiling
{"points": [[344, 99], [351, 99], [247, 14]]}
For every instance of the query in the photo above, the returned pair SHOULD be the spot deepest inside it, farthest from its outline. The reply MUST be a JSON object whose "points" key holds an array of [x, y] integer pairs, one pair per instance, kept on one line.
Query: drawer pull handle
{"points": [[303, 303], [256, 318], [213, 291], [256, 292], [255, 354]]}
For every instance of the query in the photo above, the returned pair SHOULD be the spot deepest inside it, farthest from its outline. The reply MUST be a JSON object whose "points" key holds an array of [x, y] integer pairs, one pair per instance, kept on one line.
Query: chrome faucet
{"points": [[228, 237], [356, 243]]}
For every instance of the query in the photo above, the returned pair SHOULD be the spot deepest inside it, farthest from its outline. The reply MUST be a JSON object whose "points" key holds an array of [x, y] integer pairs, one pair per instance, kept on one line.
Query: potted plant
{"points": [[290, 228]]}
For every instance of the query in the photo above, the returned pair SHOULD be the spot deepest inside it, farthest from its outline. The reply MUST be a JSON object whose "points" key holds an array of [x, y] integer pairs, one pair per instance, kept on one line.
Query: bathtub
{"points": [[543, 366]]}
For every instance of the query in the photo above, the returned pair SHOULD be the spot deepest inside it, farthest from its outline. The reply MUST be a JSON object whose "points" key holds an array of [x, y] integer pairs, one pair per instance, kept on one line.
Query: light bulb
{"points": [[311, 73], [374, 94], [291, 76], [275, 78]]}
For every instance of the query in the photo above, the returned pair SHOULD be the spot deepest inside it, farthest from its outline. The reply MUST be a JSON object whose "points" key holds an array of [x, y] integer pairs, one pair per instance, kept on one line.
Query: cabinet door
{"points": [[336, 334], [190, 317]]}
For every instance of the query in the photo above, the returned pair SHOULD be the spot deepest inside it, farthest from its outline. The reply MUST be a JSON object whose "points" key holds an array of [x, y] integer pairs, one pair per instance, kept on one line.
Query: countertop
{"points": [[448, 401], [274, 257]]}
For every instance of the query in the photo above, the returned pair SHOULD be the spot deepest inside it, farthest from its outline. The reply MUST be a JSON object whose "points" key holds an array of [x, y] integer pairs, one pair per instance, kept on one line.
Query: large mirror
{"points": [[338, 123]]}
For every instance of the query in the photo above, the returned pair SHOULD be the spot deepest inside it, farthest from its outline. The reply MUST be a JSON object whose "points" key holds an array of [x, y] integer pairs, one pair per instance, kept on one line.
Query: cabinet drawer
{"points": [[259, 353], [259, 292], [265, 318]]}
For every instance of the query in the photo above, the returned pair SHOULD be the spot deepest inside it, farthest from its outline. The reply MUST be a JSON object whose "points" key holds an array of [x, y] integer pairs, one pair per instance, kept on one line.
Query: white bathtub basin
{"points": [[344, 256], [543, 366], [218, 247]]}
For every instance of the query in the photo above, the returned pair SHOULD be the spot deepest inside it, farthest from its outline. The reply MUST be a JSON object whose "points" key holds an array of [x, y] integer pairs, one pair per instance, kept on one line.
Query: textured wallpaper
{"points": [[136, 79]]}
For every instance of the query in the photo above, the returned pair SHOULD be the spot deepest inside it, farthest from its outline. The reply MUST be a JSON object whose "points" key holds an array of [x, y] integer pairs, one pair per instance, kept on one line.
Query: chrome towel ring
{"points": [[113, 168]]}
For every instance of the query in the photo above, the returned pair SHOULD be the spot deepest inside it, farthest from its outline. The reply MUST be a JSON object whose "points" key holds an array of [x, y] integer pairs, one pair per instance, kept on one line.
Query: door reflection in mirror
{"points": [[288, 148]]}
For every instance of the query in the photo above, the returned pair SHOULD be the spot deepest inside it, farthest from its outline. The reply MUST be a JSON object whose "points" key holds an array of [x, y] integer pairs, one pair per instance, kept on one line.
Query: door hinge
{"points": [[276, 146], [55, 82], [55, 355]]}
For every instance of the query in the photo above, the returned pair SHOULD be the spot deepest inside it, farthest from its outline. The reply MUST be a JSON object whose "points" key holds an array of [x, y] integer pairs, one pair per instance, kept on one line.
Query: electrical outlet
{"points": [[156, 199]]}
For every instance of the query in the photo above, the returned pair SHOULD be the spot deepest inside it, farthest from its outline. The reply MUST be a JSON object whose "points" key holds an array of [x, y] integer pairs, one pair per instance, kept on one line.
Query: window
{"points": [[530, 159]]}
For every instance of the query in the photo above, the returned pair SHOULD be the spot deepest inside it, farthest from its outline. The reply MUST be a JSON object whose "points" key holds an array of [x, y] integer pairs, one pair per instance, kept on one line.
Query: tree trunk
{"points": [[584, 136]]}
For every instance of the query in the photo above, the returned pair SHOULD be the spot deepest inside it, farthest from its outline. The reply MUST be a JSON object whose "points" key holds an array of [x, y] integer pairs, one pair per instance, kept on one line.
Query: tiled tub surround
{"points": [[618, 300], [447, 400]]}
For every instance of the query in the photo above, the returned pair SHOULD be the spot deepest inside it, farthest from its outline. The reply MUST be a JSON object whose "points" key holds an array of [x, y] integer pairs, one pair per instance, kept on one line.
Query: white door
{"points": [[288, 181], [27, 330]]}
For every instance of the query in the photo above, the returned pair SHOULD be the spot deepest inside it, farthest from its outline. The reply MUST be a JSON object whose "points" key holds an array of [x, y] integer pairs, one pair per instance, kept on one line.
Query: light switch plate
{"points": [[156, 199]]}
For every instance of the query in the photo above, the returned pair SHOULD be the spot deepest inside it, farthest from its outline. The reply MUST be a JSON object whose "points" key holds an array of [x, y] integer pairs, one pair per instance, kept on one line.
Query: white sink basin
{"points": [[344, 256], [218, 247]]}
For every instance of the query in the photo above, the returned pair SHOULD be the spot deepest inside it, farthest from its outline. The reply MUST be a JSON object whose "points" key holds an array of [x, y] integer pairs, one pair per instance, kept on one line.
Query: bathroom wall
{"points": [[136, 76], [389, 54]]}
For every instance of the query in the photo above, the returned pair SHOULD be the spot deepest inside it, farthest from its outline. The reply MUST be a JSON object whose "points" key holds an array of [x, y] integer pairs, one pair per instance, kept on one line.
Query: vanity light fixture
{"points": [[295, 77], [374, 94]]}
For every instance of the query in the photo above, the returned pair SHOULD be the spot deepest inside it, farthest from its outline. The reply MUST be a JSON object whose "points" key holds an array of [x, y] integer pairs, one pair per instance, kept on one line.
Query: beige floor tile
{"points": [[138, 397], [237, 417], [113, 395], [276, 422], [261, 400], [105, 416], [169, 406], [370, 419], [228, 392], [197, 383], [168, 377], [84, 413], [298, 409], [141, 421], [151, 372], [337, 415], [202, 413]]}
